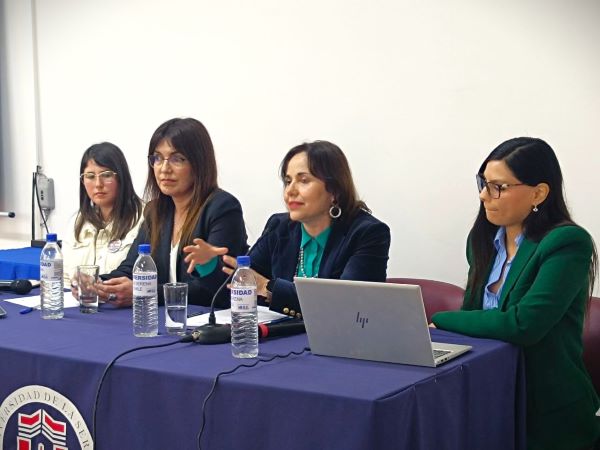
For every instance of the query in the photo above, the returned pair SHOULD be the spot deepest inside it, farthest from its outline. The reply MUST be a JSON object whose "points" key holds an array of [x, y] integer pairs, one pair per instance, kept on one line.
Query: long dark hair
{"points": [[327, 162], [532, 161], [127, 209], [190, 138]]}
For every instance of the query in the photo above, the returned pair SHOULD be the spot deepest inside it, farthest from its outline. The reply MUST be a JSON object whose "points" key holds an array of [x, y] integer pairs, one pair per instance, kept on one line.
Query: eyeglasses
{"points": [[106, 177], [176, 160], [493, 189]]}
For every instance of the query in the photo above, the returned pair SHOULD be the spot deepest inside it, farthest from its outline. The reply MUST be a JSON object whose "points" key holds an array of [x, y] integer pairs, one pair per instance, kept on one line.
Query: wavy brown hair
{"points": [[327, 162]]}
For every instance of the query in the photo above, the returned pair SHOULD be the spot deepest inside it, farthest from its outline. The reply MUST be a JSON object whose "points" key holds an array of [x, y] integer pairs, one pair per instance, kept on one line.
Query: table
{"points": [[152, 399], [20, 263]]}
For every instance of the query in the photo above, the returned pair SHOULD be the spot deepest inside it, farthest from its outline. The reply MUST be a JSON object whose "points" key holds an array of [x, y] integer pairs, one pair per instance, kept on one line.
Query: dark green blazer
{"points": [[542, 309]]}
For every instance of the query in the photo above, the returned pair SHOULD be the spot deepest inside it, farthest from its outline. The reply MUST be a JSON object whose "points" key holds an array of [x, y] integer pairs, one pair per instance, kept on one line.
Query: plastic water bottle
{"points": [[51, 280], [145, 300], [244, 314]]}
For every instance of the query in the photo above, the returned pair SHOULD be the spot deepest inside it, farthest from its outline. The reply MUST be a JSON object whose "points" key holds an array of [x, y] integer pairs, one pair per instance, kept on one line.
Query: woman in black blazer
{"points": [[327, 233], [184, 202]]}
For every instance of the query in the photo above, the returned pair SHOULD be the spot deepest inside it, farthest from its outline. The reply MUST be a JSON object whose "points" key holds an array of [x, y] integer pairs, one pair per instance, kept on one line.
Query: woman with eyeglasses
{"points": [[183, 202], [531, 275], [326, 233], [110, 213]]}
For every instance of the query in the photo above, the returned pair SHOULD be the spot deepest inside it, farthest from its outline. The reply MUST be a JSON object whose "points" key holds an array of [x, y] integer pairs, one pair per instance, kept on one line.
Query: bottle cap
{"points": [[144, 249], [243, 261], [51, 237]]}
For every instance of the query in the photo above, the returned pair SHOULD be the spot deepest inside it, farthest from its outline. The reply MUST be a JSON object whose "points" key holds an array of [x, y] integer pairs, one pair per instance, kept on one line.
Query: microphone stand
{"points": [[213, 332]]}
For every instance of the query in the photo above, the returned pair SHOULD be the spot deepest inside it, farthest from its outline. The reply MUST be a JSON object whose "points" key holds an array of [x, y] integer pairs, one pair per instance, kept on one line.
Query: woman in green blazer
{"points": [[531, 274]]}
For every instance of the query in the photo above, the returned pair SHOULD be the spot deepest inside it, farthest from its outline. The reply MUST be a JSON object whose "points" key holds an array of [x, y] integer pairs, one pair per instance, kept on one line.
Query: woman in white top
{"points": [[110, 212]]}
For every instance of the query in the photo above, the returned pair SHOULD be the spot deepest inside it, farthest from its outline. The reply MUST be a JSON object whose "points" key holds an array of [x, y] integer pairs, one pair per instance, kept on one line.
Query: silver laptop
{"points": [[373, 321]]}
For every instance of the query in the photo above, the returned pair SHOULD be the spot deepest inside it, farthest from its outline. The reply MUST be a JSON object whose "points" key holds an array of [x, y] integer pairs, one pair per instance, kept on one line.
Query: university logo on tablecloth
{"points": [[40, 422], [39, 418]]}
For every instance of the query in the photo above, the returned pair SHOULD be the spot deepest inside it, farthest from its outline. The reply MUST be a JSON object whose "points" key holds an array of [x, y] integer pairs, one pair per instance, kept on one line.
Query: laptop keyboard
{"points": [[438, 353]]}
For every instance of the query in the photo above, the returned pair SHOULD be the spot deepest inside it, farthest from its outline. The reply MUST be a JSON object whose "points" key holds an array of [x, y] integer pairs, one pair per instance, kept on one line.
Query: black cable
{"points": [[114, 360], [33, 206], [37, 193], [212, 390], [212, 320]]}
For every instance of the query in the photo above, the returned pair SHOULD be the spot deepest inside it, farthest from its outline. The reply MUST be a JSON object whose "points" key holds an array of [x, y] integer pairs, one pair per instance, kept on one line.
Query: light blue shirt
{"points": [[490, 299]]}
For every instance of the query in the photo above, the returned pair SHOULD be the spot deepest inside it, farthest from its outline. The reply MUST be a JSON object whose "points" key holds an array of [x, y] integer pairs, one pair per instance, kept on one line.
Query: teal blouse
{"points": [[313, 248], [207, 268]]}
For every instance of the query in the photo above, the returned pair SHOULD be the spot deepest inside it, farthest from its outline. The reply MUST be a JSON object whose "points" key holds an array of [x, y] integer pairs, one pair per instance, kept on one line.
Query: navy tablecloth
{"points": [[152, 399], [20, 263]]}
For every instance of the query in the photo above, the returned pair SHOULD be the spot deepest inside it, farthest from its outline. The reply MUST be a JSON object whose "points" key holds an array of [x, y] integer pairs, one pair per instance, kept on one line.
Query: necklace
{"points": [[300, 266], [178, 223]]}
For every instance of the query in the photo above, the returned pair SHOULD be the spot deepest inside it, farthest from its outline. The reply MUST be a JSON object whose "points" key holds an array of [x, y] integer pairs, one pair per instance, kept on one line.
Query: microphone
{"points": [[7, 214], [18, 286], [213, 332], [209, 334], [287, 328], [265, 330]]}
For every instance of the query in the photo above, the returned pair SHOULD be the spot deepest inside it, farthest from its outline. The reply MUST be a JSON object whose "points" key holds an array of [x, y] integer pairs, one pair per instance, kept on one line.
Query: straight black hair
{"points": [[532, 161]]}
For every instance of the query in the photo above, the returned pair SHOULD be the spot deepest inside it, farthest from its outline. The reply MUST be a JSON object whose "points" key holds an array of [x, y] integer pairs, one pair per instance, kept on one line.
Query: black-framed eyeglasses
{"points": [[176, 160], [106, 177], [493, 189]]}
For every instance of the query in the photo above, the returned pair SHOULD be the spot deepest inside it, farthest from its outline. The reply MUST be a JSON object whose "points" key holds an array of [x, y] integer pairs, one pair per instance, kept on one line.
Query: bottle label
{"points": [[243, 299], [51, 270], [144, 284]]}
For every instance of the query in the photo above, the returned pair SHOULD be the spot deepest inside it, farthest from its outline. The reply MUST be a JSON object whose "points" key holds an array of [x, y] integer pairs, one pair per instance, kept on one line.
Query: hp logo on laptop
{"points": [[361, 320]]}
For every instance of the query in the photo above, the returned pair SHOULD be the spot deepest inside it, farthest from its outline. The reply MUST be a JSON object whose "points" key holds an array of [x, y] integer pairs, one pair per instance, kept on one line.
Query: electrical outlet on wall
{"points": [[46, 192]]}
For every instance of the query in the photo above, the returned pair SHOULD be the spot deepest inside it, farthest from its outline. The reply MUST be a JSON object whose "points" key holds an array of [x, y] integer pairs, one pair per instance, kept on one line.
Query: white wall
{"points": [[17, 112], [415, 93]]}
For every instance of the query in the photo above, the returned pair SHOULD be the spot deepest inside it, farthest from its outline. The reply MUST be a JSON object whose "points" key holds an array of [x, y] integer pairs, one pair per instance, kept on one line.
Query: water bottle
{"points": [[244, 314], [51, 280], [145, 300]]}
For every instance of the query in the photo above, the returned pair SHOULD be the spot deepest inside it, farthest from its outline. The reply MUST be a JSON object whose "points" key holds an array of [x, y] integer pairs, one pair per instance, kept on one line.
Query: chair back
{"points": [[591, 342], [437, 295]]}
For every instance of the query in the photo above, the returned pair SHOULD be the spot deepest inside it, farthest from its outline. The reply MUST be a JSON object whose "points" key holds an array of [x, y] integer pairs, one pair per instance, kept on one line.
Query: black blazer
{"points": [[221, 224], [354, 251]]}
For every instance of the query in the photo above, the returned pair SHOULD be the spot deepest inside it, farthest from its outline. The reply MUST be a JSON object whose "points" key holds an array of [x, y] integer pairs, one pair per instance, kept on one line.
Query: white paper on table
{"points": [[224, 316], [34, 301]]}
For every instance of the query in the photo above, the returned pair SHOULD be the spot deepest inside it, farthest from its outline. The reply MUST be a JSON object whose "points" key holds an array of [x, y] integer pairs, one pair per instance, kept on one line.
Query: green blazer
{"points": [[542, 309]]}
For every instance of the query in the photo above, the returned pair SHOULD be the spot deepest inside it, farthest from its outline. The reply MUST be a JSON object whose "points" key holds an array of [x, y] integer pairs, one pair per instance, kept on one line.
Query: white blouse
{"points": [[173, 263], [94, 247]]}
